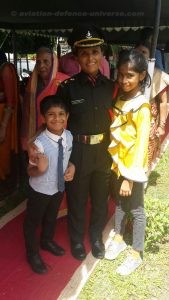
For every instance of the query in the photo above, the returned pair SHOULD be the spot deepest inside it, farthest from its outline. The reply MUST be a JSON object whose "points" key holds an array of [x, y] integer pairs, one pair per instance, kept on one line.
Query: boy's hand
{"points": [[69, 173], [126, 188], [33, 152], [42, 162]]}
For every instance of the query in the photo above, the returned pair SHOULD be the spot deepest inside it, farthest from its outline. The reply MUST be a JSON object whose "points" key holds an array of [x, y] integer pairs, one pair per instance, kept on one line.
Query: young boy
{"points": [[46, 184]]}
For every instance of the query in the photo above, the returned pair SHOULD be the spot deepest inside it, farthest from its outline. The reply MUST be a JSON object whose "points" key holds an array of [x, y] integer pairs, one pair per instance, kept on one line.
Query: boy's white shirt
{"points": [[54, 140]]}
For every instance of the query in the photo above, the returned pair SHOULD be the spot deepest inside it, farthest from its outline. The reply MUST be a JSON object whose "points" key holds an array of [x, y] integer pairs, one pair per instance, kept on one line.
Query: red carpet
{"points": [[17, 281]]}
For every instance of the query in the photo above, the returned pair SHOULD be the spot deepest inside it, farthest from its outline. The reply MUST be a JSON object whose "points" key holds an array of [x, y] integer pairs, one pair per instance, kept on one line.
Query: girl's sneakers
{"points": [[130, 264], [114, 249]]}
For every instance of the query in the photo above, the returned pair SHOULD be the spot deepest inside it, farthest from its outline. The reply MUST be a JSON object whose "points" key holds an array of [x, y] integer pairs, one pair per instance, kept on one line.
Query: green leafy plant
{"points": [[157, 229]]}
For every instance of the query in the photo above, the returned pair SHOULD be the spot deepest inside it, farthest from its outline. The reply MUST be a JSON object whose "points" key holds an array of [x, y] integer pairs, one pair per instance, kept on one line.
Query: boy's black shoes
{"points": [[52, 247], [78, 250], [37, 264], [98, 249]]}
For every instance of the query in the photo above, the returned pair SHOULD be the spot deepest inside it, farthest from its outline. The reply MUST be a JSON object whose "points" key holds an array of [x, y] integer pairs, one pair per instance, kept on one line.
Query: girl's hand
{"points": [[42, 162], [160, 131], [126, 188], [69, 173]]}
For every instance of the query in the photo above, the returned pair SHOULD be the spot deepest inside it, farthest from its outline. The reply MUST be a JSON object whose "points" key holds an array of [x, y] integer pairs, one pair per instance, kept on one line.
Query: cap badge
{"points": [[88, 35]]}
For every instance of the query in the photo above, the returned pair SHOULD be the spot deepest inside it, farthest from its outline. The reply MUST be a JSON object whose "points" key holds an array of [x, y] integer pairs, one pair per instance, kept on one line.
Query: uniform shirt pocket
{"points": [[78, 106]]}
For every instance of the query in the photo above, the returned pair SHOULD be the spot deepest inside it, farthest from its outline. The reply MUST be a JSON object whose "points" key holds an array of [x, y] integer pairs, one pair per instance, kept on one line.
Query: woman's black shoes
{"points": [[98, 249], [52, 247], [78, 250], [37, 264]]}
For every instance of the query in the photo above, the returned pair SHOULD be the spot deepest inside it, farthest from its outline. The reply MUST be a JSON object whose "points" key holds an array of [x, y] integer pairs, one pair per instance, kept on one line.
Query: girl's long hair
{"points": [[139, 65]]}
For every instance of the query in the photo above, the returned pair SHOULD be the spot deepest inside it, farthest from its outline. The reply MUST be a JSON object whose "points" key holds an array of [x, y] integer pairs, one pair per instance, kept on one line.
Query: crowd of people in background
{"points": [[94, 104], [9, 127]]}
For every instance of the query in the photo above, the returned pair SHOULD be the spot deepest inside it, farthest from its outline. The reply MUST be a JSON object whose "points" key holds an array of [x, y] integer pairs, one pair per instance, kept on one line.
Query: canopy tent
{"points": [[61, 15], [24, 42], [120, 19]]}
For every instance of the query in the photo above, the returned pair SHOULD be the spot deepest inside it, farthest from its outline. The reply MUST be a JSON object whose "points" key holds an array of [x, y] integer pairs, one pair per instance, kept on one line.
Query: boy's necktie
{"points": [[61, 181]]}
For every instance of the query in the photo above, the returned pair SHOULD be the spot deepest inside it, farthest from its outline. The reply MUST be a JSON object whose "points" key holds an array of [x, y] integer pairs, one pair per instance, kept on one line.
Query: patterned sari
{"points": [[160, 85]]}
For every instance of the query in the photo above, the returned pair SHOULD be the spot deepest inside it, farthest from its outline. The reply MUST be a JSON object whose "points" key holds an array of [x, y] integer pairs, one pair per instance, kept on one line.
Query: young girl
{"points": [[129, 147]]}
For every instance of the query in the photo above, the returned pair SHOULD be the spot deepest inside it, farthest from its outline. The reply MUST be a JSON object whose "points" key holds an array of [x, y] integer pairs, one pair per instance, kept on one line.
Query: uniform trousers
{"points": [[91, 181], [41, 210], [133, 204]]}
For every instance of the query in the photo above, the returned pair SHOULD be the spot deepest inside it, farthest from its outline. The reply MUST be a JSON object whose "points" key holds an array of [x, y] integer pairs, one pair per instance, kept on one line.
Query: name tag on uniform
{"points": [[78, 101]]}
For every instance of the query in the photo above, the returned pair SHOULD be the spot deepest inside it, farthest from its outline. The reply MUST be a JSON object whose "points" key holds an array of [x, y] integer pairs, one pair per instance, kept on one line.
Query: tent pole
{"points": [[20, 66], [14, 47], [4, 40], [156, 28], [151, 63], [27, 62]]}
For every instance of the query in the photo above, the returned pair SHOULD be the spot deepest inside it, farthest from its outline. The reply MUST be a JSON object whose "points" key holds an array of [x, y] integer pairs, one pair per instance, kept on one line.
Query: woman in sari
{"points": [[159, 108], [43, 82], [9, 99]]}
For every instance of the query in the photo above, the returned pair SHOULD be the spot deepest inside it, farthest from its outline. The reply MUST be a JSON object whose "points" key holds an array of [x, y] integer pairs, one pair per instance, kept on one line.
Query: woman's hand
{"points": [[69, 173], [126, 188]]}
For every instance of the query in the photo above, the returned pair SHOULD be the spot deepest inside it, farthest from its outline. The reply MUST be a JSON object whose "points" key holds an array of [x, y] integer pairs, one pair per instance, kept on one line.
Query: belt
{"points": [[89, 139]]}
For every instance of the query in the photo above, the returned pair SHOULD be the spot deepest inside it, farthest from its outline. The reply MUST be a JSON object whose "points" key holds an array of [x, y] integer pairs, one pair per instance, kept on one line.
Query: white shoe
{"points": [[129, 265], [114, 249]]}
